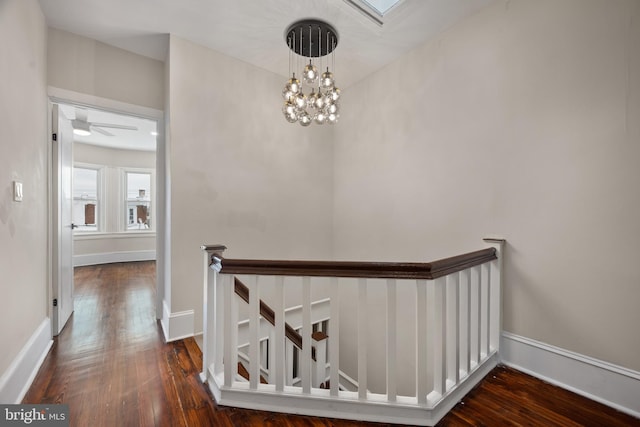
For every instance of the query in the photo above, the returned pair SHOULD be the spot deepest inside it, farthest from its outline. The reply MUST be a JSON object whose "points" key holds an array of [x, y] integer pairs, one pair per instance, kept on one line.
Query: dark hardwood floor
{"points": [[111, 366]]}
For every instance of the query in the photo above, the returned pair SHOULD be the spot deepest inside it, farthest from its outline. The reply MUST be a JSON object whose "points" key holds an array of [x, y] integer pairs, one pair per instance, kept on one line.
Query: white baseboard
{"points": [[110, 257], [177, 325], [595, 379], [17, 379], [164, 321]]}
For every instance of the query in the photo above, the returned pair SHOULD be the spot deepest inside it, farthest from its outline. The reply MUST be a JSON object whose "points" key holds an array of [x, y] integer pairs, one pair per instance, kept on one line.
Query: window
{"points": [[138, 201], [375, 10], [85, 199], [382, 6]]}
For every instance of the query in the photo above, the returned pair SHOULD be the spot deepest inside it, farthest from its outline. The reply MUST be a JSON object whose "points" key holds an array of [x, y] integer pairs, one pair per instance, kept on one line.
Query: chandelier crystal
{"points": [[313, 98]]}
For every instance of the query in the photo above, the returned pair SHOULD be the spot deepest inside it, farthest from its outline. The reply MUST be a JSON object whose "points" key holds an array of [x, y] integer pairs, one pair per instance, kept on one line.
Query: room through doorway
{"points": [[113, 195]]}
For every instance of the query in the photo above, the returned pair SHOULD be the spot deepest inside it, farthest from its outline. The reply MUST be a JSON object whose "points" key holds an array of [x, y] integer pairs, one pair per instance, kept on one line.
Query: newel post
{"points": [[212, 263], [495, 293]]}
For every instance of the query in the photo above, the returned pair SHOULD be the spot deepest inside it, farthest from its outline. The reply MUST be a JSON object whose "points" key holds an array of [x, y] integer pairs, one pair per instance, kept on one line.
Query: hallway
{"points": [[111, 366], [110, 363]]}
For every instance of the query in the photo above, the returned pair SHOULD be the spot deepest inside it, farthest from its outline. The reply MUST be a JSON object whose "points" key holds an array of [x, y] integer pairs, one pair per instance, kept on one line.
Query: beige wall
{"points": [[90, 67], [113, 160], [23, 157], [240, 174], [522, 122]]}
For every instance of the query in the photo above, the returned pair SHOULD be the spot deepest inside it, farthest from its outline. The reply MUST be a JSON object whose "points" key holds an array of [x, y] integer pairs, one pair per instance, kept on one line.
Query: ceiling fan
{"points": [[83, 127]]}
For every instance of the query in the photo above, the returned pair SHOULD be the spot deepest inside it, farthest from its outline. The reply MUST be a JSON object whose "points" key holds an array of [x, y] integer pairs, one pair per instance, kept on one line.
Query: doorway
{"points": [[113, 170]]}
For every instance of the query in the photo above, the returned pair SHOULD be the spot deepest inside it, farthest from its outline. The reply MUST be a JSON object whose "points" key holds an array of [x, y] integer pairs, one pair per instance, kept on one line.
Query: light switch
{"points": [[17, 191]]}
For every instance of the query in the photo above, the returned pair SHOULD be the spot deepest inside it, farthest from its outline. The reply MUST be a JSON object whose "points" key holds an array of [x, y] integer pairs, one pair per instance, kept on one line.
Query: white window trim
{"points": [[91, 235], [100, 197]]}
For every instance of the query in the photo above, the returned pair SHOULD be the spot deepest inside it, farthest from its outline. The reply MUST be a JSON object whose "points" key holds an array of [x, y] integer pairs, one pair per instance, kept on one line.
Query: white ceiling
{"points": [[253, 31], [139, 139]]}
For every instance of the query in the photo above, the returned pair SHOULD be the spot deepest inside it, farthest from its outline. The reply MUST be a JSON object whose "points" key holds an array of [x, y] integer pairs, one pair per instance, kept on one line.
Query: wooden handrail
{"points": [[385, 270]]}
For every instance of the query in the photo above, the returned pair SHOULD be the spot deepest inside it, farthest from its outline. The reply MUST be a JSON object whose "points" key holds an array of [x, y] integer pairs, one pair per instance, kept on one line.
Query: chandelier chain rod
{"points": [[309, 44], [289, 43], [319, 56], [327, 48], [333, 56]]}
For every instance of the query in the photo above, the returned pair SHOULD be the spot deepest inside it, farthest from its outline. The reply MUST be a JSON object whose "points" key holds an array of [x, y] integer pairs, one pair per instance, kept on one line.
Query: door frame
{"points": [[63, 96]]}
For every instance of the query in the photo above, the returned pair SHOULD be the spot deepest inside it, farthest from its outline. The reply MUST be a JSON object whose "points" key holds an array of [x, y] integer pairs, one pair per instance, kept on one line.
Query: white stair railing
{"points": [[316, 312], [457, 320]]}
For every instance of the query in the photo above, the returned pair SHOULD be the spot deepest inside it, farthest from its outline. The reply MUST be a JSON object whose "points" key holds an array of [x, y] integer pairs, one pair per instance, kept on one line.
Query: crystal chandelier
{"points": [[315, 98]]}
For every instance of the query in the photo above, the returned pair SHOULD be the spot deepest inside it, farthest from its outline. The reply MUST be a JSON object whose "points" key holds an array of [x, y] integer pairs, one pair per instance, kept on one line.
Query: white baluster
{"points": [[452, 328], [264, 351], [271, 356], [362, 338], [391, 340], [465, 321], [474, 314], [439, 331], [334, 338], [254, 326], [289, 362], [484, 310], [279, 356], [305, 363], [424, 339], [320, 371], [230, 333]]}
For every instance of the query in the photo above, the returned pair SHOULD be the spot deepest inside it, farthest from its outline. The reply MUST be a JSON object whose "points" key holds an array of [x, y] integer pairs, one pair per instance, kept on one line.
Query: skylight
{"points": [[375, 10], [381, 6]]}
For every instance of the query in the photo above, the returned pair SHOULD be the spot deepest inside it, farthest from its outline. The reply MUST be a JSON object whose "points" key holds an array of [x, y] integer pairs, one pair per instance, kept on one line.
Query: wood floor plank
{"points": [[510, 397], [112, 367]]}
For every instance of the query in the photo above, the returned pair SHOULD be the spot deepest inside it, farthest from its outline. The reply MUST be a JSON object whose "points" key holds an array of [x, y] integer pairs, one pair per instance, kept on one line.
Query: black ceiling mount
{"points": [[311, 38]]}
